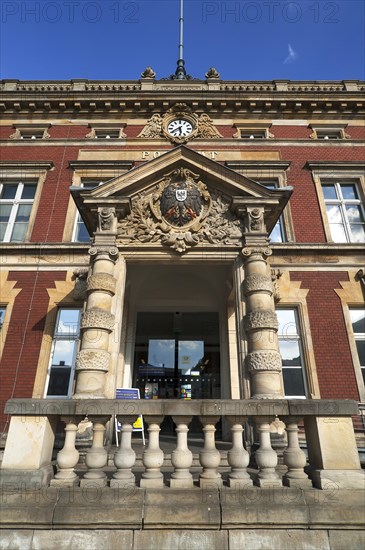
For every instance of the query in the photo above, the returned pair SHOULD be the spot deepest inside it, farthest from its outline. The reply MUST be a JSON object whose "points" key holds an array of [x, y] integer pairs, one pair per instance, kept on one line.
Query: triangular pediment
{"points": [[137, 188]]}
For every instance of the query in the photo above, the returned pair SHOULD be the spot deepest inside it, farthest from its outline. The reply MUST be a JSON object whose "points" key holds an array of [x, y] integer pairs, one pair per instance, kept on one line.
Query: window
{"points": [[28, 132], [63, 355], [16, 200], [81, 234], [345, 211], [357, 317], [247, 130], [277, 235], [328, 132], [2, 316], [254, 134], [291, 353], [106, 134]]}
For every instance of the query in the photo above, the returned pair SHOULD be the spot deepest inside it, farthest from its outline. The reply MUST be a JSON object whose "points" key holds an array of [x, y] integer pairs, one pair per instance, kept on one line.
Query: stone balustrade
{"points": [[330, 440]]}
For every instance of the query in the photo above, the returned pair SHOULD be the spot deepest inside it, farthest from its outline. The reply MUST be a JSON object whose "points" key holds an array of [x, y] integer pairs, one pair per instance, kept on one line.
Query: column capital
{"points": [[263, 251], [104, 252]]}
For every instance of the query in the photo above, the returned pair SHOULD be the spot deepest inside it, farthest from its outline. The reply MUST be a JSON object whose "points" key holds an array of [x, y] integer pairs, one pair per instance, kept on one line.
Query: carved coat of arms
{"points": [[180, 203]]}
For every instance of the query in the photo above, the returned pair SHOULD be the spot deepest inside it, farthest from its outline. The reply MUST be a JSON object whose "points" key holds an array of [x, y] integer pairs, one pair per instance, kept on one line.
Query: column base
{"points": [[341, 479], [303, 483], [26, 479], [152, 483], [187, 483], [259, 482], [127, 484], [240, 483], [71, 482], [94, 482], [206, 483]]}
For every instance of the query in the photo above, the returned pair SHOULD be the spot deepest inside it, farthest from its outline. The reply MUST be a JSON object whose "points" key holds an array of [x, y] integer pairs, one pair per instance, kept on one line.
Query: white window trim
{"points": [[15, 172], [299, 338], [334, 172], [106, 127], [72, 370]]}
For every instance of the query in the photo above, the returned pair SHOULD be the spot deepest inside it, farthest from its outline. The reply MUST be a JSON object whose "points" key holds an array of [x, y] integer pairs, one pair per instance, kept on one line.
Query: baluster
{"points": [[67, 457], [294, 457], [266, 457], [152, 457], [125, 457], [238, 458], [182, 457], [209, 456], [97, 456]]}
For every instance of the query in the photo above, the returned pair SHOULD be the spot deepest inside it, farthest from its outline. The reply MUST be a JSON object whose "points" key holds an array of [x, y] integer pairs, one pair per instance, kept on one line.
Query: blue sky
{"points": [[244, 40]]}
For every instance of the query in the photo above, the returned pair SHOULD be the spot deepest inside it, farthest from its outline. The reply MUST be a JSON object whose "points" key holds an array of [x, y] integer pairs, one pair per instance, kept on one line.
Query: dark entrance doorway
{"points": [[177, 355]]}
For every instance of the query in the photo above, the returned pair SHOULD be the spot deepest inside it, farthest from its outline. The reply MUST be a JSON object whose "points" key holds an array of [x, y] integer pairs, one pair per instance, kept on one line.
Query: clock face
{"points": [[180, 128]]}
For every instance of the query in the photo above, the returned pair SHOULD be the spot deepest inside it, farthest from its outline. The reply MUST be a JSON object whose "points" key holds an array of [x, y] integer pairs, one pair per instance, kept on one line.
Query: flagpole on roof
{"points": [[180, 70]]}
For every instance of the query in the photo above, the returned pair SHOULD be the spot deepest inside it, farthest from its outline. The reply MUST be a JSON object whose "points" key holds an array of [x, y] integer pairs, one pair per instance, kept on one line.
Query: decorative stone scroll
{"points": [[260, 319], [180, 213], [264, 361], [93, 359], [111, 252], [97, 318], [102, 281]]}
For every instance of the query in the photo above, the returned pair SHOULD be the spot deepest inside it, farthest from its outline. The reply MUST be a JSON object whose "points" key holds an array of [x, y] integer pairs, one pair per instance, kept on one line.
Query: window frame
{"points": [[78, 220], [23, 131], [57, 338], [331, 172], [353, 347], [14, 172], [15, 203], [105, 127], [298, 337], [319, 131], [253, 128], [341, 203]]}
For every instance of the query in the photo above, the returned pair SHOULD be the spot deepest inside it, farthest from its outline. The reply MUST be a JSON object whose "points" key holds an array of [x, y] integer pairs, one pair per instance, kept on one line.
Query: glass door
{"points": [[177, 355]]}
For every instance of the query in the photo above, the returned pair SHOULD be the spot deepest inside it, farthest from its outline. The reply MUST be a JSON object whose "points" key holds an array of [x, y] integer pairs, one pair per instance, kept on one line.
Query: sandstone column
{"points": [[97, 322], [261, 325]]}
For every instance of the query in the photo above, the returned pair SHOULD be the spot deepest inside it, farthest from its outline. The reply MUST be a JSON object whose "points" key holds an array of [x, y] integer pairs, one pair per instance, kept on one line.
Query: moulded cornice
{"points": [[335, 165], [28, 164]]}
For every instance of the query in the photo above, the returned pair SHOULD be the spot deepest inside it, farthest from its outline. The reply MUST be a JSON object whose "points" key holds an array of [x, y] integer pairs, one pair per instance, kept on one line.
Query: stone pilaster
{"points": [[98, 322]]}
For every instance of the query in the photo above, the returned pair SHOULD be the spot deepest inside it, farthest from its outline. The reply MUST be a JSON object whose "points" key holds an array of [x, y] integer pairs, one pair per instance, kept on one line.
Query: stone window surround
{"points": [[26, 171], [337, 171], [84, 171], [8, 296], [21, 129], [292, 296], [253, 127], [106, 126], [330, 128], [269, 171]]}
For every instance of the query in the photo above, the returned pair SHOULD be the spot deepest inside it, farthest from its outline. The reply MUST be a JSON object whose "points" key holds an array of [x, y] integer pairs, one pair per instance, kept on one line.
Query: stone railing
{"points": [[330, 439]]}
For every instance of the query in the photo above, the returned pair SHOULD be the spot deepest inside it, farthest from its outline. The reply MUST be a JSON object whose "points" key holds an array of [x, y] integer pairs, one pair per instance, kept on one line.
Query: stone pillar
{"points": [[97, 322], [261, 325], [209, 456], [266, 457], [153, 456], [294, 457], [96, 456], [125, 457]]}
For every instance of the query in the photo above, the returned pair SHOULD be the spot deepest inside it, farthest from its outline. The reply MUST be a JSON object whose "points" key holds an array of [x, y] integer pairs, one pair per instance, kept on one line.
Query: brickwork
{"points": [[24, 337], [330, 340]]}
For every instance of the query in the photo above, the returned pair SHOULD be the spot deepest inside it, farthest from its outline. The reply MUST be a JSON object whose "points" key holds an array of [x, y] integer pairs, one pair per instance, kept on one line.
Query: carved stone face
{"points": [[180, 203]]}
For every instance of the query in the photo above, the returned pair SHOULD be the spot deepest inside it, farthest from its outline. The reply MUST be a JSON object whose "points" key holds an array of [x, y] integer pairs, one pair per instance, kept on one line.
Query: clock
{"points": [[179, 128]]}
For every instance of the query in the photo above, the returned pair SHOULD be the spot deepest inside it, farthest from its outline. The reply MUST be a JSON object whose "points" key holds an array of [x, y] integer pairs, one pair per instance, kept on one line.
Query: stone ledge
{"points": [[184, 539]]}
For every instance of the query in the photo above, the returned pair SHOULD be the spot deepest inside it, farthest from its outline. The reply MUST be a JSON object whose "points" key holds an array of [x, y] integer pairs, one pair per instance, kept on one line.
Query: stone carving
{"points": [[275, 276], [106, 217], [102, 281], [261, 319], [148, 73], [206, 128], [257, 282], [110, 252], [153, 127], [88, 359], [97, 318], [264, 360], [80, 276], [91, 134], [256, 219], [212, 73], [214, 224], [181, 201]]}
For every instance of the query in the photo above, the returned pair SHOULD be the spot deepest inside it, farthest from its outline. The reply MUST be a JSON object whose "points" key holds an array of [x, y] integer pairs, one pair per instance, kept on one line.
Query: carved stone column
{"points": [[96, 456], [153, 456], [97, 322], [294, 457], [125, 457], [182, 457], [261, 325], [238, 458], [266, 457], [209, 456]]}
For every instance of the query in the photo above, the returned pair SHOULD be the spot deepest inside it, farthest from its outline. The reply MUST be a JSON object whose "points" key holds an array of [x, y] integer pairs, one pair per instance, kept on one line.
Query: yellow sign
{"points": [[137, 425]]}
